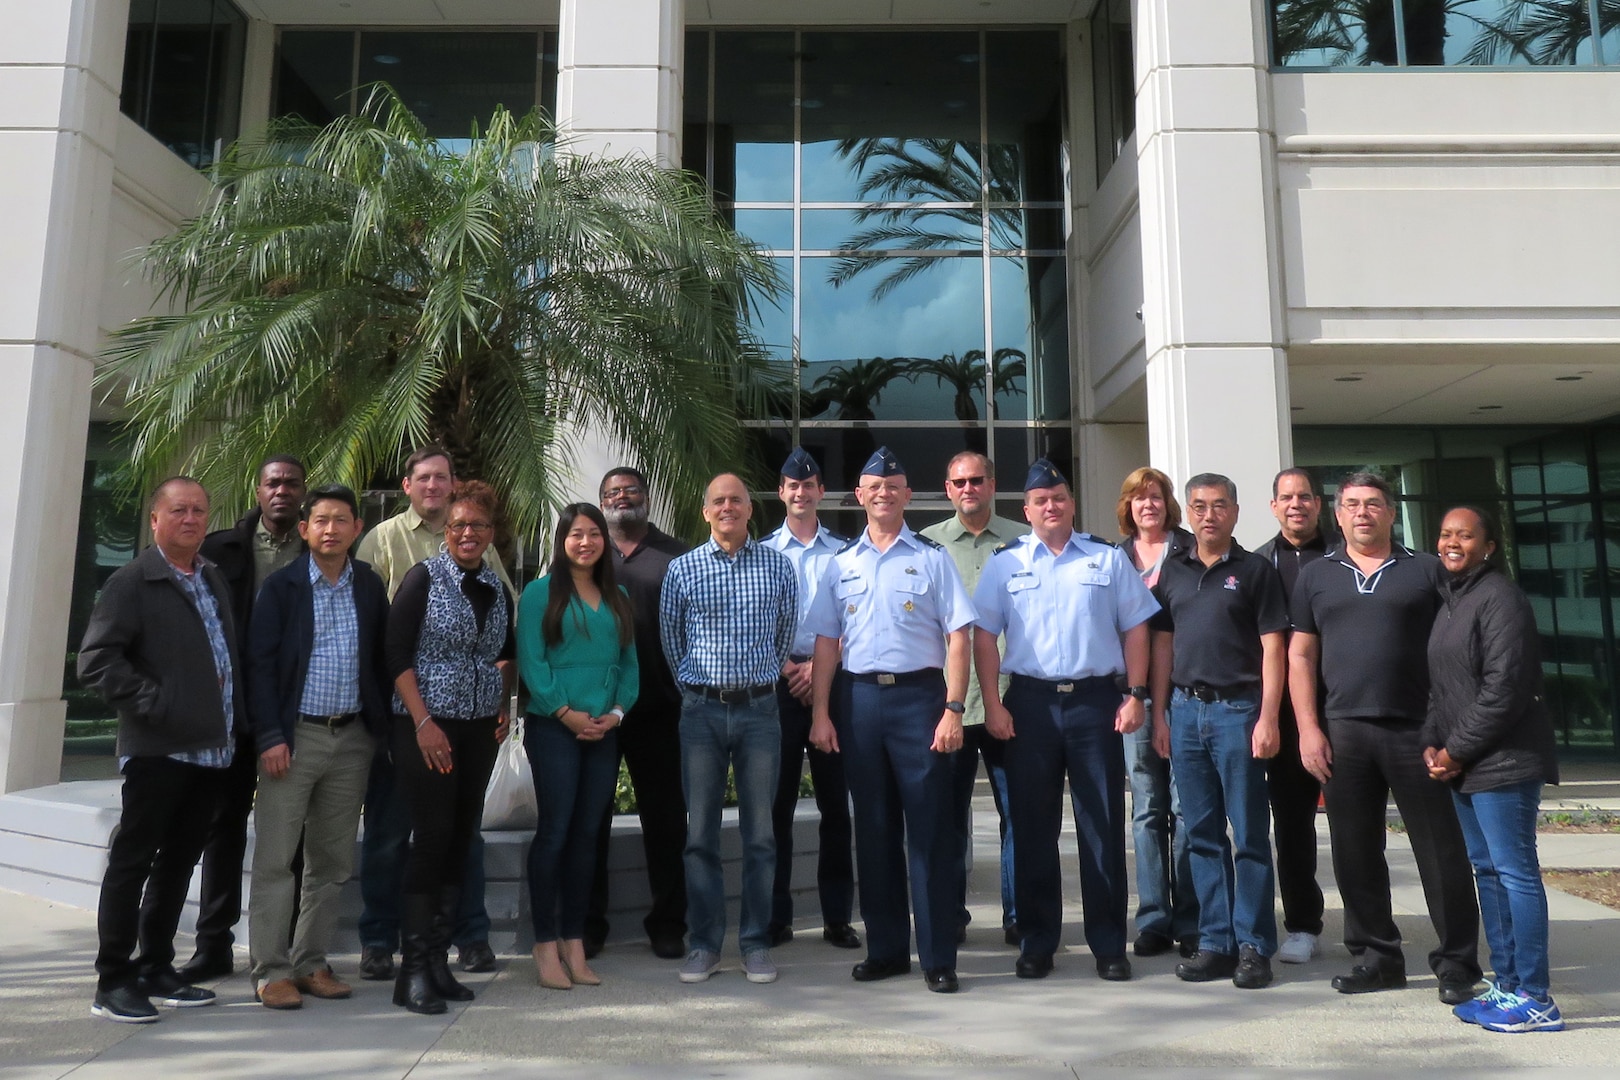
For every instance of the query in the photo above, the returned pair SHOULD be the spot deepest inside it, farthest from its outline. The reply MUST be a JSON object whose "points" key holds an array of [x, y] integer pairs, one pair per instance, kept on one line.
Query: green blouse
{"points": [[588, 670]]}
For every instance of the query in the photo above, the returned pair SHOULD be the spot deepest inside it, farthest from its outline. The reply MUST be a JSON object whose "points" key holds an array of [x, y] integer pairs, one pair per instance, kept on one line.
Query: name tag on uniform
{"points": [[1094, 577], [1022, 581]]}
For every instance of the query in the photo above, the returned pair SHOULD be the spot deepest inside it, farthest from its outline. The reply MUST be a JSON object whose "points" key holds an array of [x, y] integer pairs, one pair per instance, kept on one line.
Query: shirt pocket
{"points": [[1092, 589], [911, 599]]}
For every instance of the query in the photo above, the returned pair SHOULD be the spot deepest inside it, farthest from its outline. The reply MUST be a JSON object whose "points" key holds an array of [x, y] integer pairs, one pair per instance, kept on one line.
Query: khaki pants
{"points": [[319, 799]]}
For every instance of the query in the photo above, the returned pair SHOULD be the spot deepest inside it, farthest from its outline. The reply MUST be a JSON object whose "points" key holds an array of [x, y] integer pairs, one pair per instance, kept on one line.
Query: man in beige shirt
{"points": [[392, 548], [971, 536]]}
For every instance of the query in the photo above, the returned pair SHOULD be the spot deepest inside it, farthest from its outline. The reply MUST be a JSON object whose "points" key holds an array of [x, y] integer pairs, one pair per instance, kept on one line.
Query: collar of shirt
{"points": [[265, 538], [1315, 543], [1340, 553], [997, 528], [906, 537], [317, 575], [1038, 549], [1232, 552], [782, 538], [414, 521], [717, 552]]}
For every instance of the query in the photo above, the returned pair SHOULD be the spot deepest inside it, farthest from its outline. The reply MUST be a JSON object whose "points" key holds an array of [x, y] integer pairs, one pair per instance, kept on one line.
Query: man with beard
{"points": [[649, 741]]}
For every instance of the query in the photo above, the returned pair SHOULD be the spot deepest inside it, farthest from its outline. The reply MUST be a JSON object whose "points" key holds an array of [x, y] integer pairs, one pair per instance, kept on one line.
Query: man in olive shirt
{"points": [[971, 536], [392, 548]]}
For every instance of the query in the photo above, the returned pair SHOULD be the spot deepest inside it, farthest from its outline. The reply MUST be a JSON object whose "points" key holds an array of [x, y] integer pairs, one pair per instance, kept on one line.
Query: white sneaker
{"points": [[1299, 948]]}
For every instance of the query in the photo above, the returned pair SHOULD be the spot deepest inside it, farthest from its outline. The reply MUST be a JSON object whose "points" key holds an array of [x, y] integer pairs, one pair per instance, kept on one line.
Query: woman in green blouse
{"points": [[577, 657]]}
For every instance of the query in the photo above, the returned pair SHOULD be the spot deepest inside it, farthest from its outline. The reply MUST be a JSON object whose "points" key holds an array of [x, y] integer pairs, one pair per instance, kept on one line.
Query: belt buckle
{"points": [[733, 696], [885, 678], [1206, 694], [1066, 687]]}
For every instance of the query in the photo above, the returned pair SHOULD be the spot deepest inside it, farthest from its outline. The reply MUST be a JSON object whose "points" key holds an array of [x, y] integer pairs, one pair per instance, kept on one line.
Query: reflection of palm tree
{"points": [[965, 375], [1539, 31], [857, 386], [1533, 31]]}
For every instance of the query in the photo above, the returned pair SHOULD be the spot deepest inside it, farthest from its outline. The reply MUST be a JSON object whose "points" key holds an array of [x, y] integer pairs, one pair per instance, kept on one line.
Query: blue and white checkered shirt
{"points": [[332, 683], [728, 621], [202, 598]]}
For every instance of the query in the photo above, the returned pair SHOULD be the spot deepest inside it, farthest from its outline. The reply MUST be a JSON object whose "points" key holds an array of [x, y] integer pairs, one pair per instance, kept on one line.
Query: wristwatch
{"points": [[956, 707], [1140, 693]]}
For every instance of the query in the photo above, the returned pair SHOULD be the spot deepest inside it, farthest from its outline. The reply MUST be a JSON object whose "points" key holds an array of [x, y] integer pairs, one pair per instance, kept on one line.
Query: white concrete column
{"points": [[60, 69], [1217, 377], [619, 77]]}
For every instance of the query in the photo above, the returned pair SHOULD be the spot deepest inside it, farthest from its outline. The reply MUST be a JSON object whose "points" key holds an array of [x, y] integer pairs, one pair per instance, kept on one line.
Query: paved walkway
{"points": [[816, 1022]]}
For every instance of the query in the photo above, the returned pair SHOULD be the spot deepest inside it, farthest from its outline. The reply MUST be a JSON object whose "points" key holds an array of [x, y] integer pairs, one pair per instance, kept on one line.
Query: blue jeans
{"points": [[748, 738], [573, 788], [1499, 828], [1165, 901], [977, 743], [1222, 781]]}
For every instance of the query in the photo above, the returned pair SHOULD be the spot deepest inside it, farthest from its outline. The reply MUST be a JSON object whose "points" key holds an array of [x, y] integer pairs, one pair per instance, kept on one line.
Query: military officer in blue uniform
{"points": [[896, 603], [1075, 615], [809, 546]]}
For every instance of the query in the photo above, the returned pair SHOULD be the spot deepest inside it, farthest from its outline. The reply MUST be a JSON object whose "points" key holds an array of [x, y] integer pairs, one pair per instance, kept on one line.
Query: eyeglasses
{"points": [[629, 491], [961, 482], [477, 528], [1218, 508], [1372, 506]]}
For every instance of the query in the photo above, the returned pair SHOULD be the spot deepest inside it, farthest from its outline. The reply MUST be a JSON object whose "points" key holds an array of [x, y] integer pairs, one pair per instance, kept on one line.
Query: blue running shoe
{"points": [[1525, 1014], [1493, 998]]}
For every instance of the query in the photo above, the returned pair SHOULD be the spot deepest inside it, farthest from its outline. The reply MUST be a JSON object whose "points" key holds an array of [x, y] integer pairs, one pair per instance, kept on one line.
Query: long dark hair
{"points": [[561, 591]]}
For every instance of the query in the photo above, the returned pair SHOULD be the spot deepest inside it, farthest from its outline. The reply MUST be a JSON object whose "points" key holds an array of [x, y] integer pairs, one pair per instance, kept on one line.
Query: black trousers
{"points": [[219, 894], [167, 809], [835, 866], [446, 808], [1371, 759], [650, 744], [1294, 795]]}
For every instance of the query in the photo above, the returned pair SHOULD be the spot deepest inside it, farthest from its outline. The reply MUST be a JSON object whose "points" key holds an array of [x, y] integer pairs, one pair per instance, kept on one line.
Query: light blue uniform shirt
{"points": [[809, 562], [893, 608], [1062, 614]]}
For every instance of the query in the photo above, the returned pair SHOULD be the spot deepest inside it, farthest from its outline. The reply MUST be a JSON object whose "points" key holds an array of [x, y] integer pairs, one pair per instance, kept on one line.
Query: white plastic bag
{"points": [[509, 801]]}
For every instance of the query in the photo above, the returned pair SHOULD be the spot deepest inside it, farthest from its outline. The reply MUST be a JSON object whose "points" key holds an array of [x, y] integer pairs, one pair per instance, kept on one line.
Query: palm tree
{"points": [[858, 385], [965, 376], [1548, 32], [350, 292], [1363, 31]]}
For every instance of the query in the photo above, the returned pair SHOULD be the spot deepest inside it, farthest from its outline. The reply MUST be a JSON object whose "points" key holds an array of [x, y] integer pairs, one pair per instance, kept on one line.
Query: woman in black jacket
{"points": [[1489, 737]]}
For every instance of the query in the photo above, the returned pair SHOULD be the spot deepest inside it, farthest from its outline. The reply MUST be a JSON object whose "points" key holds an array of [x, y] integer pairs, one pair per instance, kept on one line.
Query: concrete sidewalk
{"points": [[817, 1022]]}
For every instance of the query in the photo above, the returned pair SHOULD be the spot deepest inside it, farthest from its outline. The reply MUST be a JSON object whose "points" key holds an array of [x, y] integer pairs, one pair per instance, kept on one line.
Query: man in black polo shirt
{"points": [[1363, 614], [1219, 640], [1297, 505]]}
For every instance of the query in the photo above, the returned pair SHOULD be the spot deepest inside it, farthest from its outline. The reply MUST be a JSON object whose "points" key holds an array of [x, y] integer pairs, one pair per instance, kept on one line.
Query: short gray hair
{"points": [[1212, 479]]}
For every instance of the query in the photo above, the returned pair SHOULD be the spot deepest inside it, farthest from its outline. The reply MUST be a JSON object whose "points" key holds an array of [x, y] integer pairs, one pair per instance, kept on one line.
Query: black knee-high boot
{"points": [[438, 957], [413, 987]]}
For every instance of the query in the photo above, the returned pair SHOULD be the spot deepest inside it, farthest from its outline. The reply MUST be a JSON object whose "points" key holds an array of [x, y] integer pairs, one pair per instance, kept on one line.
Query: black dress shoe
{"points": [[477, 956], [376, 963], [1033, 967], [1456, 990], [669, 947], [1011, 936], [870, 970], [941, 980], [1152, 943], [1365, 980], [1188, 947], [124, 1005], [1253, 970], [1113, 968], [1207, 966], [778, 934], [842, 935], [206, 966], [593, 947]]}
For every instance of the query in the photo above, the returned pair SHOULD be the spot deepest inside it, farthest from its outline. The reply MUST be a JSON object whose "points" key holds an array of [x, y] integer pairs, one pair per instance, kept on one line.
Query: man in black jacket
{"points": [[318, 693], [161, 649], [247, 553]]}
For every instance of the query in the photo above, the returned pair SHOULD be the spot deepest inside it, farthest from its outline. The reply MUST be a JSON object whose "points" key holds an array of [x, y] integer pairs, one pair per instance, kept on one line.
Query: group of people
{"points": [[1224, 687]]}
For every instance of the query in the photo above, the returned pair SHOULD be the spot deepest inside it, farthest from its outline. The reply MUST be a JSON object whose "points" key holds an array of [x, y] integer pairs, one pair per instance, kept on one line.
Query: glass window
{"points": [[753, 116], [1332, 33], [1030, 338], [315, 75], [183, 74], [1113, 80], [770, 229], [1024, 93], [893, 228], [924, 451]]}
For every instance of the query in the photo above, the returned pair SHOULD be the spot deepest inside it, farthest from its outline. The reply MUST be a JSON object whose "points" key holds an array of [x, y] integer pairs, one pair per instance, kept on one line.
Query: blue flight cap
{"points": [[1044, 474], [800, 465], [883, 463]]}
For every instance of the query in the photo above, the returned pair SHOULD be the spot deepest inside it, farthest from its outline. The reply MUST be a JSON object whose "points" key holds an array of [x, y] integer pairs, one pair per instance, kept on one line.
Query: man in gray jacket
{"points": [[161, 649]]}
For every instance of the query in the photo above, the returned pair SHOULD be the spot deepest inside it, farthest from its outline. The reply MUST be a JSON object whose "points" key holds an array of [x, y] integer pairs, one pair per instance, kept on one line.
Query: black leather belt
{"points": [[736, 695], [1207, 694], [800, 658], [330, 723], [899, 678], [1061, 686]]}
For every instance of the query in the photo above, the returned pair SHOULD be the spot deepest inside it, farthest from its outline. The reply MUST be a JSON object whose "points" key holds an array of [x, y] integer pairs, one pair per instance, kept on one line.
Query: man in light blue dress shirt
{"points": [[895, 601], [1074, 612], [809, 546]]}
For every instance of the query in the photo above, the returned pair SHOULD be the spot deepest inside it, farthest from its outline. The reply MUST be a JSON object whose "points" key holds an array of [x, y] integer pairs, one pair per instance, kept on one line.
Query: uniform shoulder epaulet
{"points": [[1008, 546], [927, 542], [843, 541], [847, 545], [1096, 539]]}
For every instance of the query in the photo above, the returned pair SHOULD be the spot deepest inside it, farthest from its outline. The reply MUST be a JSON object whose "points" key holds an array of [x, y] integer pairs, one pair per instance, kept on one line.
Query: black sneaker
{"points": [[1253, 970], [477, 956], [125, 1005], [1152, 943], [1206, 966], [166, 988]]}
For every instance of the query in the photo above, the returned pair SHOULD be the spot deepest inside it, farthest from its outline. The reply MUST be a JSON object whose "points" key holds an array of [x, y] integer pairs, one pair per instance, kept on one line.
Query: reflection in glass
{"points": [[695, 106], [770, 229], [1029, 299], [182, 78], [315, 75], [923, 451], [898, 228], [430, 71], [1113, 83], [1016, 447], [1336, 33], [1016, 229], [772, 319], [753, 116], [1024, 93]]}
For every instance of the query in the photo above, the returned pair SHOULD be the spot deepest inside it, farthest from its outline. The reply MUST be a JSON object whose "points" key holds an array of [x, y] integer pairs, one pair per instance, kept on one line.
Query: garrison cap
{"points": [[800, 465], [1043, 474], [883, 463]]}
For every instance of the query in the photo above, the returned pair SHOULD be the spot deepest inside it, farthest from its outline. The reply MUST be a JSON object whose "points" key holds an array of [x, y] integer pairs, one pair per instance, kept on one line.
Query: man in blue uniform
{"points": [[1075, 615], [897, 603], [809, 546]]}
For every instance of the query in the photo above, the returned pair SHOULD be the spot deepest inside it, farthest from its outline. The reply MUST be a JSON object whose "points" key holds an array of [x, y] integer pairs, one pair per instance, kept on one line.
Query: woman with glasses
{"points": [[577, 655], [450, 647]]}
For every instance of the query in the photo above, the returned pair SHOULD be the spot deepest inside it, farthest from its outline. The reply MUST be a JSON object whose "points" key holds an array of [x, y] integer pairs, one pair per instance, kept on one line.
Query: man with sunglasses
{"points": [[970, 537]]}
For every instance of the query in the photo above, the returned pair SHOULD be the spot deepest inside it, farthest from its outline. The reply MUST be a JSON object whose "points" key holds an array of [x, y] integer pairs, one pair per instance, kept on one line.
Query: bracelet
{"points": [[425, 719], [616, 711]]}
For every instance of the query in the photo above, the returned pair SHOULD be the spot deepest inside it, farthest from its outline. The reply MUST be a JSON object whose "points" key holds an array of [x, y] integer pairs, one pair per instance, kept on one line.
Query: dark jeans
{"points": [[1371, 759], [219, 895], [650, 743], [1068, 735], [977, 743], [1294, 797], [167, 809], [446, 808], [383, 850], [835, 865], [573, 783]]}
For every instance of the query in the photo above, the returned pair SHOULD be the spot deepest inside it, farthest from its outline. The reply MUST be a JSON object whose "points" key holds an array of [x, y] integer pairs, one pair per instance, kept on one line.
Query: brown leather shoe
{"points": [[281, 994], [321, 983]]}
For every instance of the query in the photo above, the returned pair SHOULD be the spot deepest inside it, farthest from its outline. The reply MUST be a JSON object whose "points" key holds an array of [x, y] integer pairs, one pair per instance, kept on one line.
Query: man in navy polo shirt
{"points": [[1364, 612], [1220, 640]]}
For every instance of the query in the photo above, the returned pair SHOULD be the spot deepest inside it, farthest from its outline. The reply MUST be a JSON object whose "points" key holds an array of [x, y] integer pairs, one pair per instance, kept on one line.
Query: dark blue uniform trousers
{"points": [[835, 867], [1073, 734], [903, 797]]}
